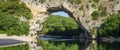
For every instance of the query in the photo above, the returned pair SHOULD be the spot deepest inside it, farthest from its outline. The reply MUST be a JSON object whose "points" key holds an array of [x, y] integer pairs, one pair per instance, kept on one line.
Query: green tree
{"points": [[111, 26], [14, 8], [58, 25], [51, 45], [12, 26]]}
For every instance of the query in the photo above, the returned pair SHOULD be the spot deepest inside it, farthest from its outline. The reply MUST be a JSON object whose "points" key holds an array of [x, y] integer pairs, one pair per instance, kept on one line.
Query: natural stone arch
{"points": [[74, 14], [50, 6], [80, 12]]}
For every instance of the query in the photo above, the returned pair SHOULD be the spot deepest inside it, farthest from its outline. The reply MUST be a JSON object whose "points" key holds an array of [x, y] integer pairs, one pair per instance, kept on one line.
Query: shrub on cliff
{"points": [[12, 26], [75, 1], [95, 15], [14, 8], [96, 1], [111, 27]]}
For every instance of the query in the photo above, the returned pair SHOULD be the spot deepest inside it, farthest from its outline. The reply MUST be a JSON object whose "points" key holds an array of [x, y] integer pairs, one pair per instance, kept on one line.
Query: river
{"points": [[70, 43], [67, 43]]}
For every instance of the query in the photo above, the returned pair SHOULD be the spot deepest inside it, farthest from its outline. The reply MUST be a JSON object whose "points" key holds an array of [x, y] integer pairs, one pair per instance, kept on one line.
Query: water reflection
{"points": [[109, 44], [57, 43], [67, 43]]}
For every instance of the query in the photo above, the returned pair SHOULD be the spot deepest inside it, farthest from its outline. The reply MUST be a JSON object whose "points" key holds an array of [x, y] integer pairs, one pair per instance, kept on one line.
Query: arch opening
{"points": [[61, 24], [61, 13], [84, 32], [60, 9]]}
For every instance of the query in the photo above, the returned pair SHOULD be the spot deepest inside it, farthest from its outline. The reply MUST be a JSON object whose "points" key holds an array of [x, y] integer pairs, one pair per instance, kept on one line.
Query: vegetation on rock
{"points": [[75, 1], [96, 1], [10, 11], [103, 11], [111, 27], [95, 15], [14, 8], [11, 25]]}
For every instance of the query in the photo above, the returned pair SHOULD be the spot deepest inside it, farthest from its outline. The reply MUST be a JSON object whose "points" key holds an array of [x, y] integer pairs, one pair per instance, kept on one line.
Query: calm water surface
{"points": [[69, 43], [57, 43]]}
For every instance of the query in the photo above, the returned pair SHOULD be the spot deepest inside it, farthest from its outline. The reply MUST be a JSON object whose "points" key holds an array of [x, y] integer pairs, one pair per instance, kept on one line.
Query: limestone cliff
{"points": [[81, 12]]}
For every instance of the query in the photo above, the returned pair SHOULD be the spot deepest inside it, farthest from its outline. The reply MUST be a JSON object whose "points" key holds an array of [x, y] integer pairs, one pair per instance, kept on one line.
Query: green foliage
{"points": [[101, 47], [81, 8], [12, 26], [111, 26], [103, 11], [10, 10], [101, 8], [95, 15], [61, 46], [57, 25], [108, 46], [19, 47], [96, 1], [42, 1], [111, 0], [75, 1], [93, 5], [14, 8], [6, 21]]}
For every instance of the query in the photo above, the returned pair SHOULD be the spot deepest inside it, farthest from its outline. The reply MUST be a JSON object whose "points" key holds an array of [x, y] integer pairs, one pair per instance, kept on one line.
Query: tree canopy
{"points": [[14, 8], [111, 27], [58, 25], [11, 25]]}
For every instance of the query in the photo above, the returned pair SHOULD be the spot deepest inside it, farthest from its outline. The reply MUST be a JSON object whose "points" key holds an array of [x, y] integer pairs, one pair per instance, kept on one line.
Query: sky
{"points": [[61, 13]]}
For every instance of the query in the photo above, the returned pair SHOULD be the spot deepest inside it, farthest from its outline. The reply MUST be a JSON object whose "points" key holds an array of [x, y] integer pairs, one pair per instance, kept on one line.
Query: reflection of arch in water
{"points": [[81, 44], [92, 45], [88, 44], [85, 43]]}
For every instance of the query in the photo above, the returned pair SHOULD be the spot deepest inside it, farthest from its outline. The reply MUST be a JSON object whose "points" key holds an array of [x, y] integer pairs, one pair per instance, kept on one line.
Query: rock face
{"points": [[81, 12]]}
